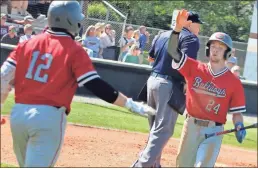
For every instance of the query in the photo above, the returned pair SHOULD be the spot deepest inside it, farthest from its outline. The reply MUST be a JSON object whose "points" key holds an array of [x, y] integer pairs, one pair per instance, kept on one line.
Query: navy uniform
{"points": [[159, 92]]}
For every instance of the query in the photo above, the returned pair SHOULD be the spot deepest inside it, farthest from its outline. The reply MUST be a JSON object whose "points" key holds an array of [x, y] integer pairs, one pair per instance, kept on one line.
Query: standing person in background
{"points": [[232, 60], [28, 29], [136, 36], [165, 90], [21, 6], [9, 5], [106, 38], [99, 28], [92, 42], [126, 42], [144, 37]]}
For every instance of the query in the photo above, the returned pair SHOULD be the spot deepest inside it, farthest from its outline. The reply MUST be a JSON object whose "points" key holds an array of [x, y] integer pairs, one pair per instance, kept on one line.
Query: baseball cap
{"points": [[28, 18], [3, 15], [232, 59], [194, 17]]}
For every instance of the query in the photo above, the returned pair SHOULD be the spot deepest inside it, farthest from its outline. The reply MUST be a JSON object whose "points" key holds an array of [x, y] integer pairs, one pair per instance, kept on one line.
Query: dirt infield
{"points": [[94, 147]]}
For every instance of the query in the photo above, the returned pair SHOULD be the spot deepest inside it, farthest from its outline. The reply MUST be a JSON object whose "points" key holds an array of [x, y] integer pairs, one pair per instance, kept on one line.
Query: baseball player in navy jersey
{"points": [[47, 70]]}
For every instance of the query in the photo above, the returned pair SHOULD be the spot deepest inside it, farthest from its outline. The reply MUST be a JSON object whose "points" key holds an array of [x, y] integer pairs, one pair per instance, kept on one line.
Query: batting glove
{"points": [[139, 108], [240, 135]]}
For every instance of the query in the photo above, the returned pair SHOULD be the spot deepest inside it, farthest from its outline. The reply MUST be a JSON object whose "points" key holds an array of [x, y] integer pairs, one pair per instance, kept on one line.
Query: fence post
{"points": [[120, 44], [107, 15]]}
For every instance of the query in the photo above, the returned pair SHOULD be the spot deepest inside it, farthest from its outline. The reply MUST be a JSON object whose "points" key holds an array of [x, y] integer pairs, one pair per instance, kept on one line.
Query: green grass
{"points": [[120, 118], [3, 165]]}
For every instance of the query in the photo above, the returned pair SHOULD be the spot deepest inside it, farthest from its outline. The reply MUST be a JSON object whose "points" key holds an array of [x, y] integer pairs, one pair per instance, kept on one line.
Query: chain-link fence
{"points": [[99, 12]]}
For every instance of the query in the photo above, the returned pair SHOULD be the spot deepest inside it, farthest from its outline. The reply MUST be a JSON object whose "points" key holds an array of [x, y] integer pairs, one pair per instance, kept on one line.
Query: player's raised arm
{"points": [[180, 59]]}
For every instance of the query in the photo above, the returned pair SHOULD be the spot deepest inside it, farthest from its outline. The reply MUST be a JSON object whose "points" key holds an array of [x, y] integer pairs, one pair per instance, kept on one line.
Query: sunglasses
{"points": [[4, 18]]}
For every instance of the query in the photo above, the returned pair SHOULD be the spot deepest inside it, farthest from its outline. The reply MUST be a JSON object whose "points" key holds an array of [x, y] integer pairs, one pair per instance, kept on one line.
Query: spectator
{"points": [[21, 6], [43, 6], [92, 42], [232, 60], [236, 71], [9, 5], [133, 55], [11, 37], [34, 10], [151, 60], [4, 28], [126, 42], [106, 38], [100, 28], [89, 51], [136, 36], [144, 37], [28, 33]]}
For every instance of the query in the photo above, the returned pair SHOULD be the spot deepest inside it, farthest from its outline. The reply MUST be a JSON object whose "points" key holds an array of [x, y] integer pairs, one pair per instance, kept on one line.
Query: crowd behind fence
{"points": [[118, 22]]}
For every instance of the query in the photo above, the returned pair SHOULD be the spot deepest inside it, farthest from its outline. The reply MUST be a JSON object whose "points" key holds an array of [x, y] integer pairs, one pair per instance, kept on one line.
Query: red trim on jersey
{"points": [[60, 142]]}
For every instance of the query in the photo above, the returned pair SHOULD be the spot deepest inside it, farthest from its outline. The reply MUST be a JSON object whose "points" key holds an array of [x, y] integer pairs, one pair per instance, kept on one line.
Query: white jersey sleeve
{"points": [[7, 77]]}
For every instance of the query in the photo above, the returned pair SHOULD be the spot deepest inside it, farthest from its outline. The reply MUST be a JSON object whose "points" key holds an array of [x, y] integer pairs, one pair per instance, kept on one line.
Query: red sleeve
{"points": [[83, 68], [185, 66], [237, 102]]}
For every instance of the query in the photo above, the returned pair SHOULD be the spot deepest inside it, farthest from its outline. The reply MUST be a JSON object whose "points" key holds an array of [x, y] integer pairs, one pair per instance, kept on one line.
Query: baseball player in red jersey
{"points": [[47, 70], [212, 92]]}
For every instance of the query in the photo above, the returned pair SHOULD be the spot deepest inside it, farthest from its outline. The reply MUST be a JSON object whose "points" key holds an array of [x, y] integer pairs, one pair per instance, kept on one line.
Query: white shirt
{"points": [[25, 37]]}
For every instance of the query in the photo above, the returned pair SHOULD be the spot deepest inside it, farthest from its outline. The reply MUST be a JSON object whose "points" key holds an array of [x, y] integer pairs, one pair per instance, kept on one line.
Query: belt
{"points": [[58, 107], [154, 74], [203, 123]]}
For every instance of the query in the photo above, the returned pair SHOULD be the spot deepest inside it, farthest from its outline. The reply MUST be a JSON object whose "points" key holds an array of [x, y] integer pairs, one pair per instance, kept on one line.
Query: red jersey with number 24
{"points": [[210, 96], [49, 68]]}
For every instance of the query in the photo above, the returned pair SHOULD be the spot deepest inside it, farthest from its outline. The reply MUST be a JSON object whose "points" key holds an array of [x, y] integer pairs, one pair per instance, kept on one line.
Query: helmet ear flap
{"points": [[207, 50], [227, 54]]}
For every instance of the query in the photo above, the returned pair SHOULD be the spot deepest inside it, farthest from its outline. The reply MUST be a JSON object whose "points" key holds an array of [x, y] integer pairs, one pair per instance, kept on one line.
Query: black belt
{"points": [[58, 107], [154, 74], [203, 123]]}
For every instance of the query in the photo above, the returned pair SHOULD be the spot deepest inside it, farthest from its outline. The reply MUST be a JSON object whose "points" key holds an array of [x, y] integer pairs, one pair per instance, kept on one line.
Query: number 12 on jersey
{"points": [[35, 56], [212, 107]]}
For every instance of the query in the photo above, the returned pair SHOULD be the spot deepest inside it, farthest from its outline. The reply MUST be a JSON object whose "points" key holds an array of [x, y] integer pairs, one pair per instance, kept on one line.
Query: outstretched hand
{"points": [[181, 20]]}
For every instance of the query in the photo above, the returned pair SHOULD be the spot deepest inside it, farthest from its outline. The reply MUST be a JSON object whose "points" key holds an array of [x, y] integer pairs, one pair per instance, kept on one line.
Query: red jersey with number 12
{"points": [[210, 96], [49, 68]]}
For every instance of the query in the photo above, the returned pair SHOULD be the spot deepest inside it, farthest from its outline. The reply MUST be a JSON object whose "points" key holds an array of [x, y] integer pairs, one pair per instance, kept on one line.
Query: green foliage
{"points": [[232, 17], [99, 11]]}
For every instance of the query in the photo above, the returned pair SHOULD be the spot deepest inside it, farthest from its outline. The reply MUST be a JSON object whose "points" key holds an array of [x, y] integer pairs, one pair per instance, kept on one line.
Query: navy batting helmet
{"points": [[221, 37]]}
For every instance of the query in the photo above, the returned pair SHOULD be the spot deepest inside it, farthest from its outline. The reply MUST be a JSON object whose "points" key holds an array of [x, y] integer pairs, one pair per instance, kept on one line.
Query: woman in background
{"points": [[133, 55], [92, 42]]}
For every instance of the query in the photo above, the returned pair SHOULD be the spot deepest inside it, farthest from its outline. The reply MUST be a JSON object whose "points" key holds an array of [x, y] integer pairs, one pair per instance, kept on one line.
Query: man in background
{"points": [[163, 86], [11, 37], [232, 60], [144, 37]]}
